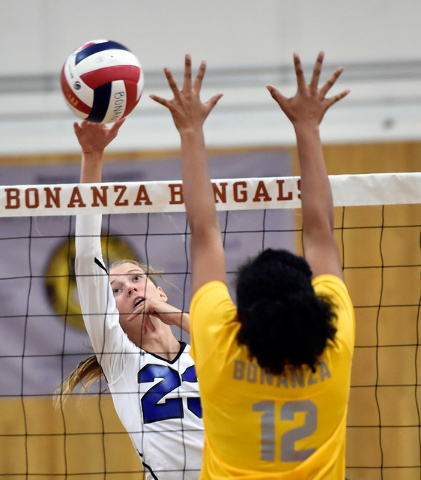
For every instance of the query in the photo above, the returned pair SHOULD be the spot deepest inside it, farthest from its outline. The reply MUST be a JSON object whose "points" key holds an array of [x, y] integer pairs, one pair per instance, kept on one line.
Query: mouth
{"points": [[138, 302]]}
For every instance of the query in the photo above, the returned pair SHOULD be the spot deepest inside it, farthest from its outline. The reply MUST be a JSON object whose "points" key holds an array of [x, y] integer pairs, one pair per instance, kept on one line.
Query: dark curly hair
{"points": [[283, 321]]}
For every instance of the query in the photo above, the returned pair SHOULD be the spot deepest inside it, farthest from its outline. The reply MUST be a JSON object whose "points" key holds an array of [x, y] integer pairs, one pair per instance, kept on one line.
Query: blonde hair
{"points": [[89, 371], [150, 271]]}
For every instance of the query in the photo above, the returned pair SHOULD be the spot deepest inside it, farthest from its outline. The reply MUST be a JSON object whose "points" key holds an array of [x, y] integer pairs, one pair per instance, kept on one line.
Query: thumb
{"points": [[276, 94], [116, 126], [214, 100]]}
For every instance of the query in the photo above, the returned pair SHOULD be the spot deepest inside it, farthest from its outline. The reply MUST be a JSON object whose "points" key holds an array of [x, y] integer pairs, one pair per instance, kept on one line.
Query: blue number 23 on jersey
{"points": [[153, 411]]}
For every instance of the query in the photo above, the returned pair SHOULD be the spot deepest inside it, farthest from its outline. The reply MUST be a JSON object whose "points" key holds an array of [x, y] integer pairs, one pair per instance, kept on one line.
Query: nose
{"points": [[131, 289]]}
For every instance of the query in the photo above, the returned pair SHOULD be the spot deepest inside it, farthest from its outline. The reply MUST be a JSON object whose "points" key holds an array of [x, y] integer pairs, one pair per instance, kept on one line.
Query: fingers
{"points": [[200, 76], [316, 72], [160, 100], [316, 75], [187, 86], [140, 310], [120, 122], [330, 82], [299, 72], [187, 74], [147, 323], [313, 86], [146, 320], [338, 97], [116, 126], [171, 82]]}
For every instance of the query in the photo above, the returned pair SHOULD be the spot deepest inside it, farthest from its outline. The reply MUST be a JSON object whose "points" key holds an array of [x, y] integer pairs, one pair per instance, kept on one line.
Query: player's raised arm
{"points": [[189, 114], [93, 139], [305, 111]]}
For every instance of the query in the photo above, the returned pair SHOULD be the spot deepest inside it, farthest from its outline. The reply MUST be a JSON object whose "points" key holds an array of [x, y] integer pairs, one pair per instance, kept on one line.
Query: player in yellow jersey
{"points": [[274, 371]]}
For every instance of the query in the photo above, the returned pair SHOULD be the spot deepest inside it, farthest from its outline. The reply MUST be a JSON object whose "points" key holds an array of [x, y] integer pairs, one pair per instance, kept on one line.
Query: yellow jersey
{"points": [[260, 426]]}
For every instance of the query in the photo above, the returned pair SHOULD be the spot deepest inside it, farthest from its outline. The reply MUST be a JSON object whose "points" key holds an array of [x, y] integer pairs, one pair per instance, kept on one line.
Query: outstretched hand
{"points": [[94, 137], [309, 103], [186, 108]]}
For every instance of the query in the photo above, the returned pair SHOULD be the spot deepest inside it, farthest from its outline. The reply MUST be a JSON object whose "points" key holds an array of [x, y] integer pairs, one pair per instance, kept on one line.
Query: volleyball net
{"points": [[377, 226]]}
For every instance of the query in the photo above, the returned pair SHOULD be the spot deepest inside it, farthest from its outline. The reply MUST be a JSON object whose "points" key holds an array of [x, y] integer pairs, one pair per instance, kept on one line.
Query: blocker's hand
{"points": [[186, 108], [309, 103]]}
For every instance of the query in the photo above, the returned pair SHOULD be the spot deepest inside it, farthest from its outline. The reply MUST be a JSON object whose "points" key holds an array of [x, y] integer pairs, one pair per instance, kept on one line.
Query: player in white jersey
{"points": [[151, 375]]}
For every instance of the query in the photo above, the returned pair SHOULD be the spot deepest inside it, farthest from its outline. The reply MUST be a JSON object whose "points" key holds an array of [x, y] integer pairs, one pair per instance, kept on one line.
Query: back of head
{"points": [[283, 322]]}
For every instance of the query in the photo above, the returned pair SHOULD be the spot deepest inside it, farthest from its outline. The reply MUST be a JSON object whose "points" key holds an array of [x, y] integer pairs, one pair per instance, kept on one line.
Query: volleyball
{"points": [[102, 81]]}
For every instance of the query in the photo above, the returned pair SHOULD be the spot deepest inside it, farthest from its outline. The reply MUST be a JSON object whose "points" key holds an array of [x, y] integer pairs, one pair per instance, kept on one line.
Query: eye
{"points": [[137, 277], [116, 290]]}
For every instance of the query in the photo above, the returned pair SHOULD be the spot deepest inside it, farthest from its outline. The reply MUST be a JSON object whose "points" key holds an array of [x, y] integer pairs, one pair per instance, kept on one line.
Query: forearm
{"points": [[305, 110], [184, 322], [91, 168], [206, 248], [92, 282], [316, 195], [189, 114], [197, 188]]}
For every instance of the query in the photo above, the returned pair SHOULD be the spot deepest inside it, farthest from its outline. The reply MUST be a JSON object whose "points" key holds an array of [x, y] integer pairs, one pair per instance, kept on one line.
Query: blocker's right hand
{"points": [[186, 108], [94, 137]]}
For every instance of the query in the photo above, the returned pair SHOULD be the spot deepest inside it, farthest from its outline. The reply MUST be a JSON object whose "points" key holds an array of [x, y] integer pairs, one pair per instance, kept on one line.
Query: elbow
{"points": [[204, 229], [203, 224]]}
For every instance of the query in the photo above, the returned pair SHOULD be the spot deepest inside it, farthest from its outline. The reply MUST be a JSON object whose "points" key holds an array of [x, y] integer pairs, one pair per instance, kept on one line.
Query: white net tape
{"points": [[231, 194]]}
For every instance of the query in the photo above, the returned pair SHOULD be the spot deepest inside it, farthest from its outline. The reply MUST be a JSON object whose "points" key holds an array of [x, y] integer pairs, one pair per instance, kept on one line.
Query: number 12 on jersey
{"points": [[288, 439]]}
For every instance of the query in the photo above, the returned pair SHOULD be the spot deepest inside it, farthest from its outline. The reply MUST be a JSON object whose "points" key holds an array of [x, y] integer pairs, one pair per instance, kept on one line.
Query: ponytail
{"points": [[87, 373]]}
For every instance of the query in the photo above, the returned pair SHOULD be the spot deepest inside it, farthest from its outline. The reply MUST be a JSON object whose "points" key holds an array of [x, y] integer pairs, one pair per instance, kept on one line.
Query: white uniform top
{"points": [[157, 400]]}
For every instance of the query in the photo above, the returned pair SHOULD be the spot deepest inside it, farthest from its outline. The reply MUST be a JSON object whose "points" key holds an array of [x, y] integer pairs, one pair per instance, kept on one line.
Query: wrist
{"points": [[309, 130], [191, 132], [185, 322], [93, 153], [307, 127], [91, 170], [177, 317]]}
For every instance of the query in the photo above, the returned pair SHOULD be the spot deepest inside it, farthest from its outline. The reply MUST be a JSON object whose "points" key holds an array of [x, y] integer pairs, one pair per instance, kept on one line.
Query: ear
{"points": [[162, 294]]}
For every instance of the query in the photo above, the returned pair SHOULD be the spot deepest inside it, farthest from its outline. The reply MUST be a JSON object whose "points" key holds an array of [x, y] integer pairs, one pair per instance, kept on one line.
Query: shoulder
{"points": [[209, 288], [210, 297], [212, 315], [330, 285], [334, 289]]}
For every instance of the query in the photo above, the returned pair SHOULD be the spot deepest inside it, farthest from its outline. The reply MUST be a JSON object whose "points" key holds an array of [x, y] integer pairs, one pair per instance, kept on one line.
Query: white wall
{"points": [[244, 41], [36, 35]]}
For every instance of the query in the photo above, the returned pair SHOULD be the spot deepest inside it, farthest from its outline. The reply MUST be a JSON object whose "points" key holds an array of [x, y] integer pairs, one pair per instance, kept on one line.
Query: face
{"points": [[131, 287]]}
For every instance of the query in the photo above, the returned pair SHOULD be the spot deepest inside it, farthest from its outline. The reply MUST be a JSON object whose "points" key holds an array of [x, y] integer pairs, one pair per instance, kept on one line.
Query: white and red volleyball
{"points": [[102, 81]]}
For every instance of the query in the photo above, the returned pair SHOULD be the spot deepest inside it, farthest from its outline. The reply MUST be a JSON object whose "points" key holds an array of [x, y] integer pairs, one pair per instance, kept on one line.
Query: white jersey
{"points": [[157, 400]]}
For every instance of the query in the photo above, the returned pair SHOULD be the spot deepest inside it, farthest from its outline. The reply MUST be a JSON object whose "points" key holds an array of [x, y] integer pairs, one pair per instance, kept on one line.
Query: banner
{"points": [[230, 194]]}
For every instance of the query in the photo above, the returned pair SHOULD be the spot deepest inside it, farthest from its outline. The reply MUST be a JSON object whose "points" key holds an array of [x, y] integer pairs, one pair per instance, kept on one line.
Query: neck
{"points": [[161, 342]]}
